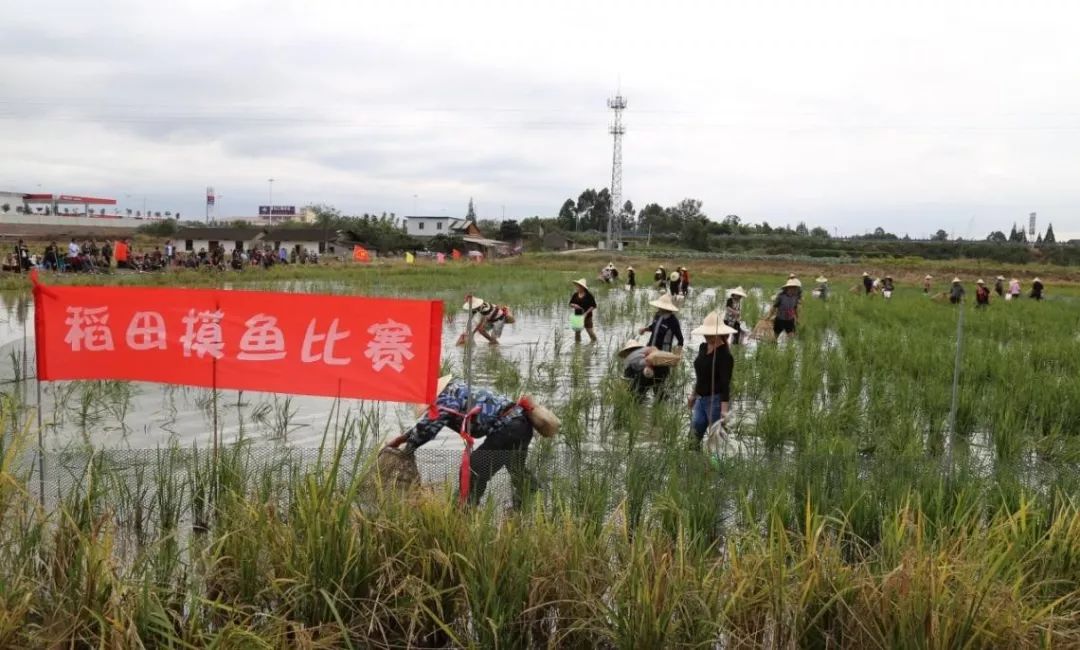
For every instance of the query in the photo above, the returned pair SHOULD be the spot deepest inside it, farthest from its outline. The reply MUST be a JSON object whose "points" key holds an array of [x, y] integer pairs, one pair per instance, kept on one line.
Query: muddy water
{"points": [[134, 415]]}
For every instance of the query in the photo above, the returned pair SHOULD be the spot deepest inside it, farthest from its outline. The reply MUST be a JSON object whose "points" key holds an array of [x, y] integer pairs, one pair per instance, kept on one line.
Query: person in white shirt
{"points": [[73, 249]]}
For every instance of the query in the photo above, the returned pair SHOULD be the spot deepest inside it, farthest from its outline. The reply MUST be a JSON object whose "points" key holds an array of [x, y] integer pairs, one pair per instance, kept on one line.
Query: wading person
{"points": [[926, 284], [733, 313], [999, 286], [785, 310], [1014, 289], [631, 277], [887, 287], [489, 319], [684, 281], [713, 367], [1036, 289], [798, 285], [867, 283], [583, 304], [675, 283], [956, 293], [661, 278], [822, 289], [502, 424], [633, 356], [982, 294], [664, 331]]}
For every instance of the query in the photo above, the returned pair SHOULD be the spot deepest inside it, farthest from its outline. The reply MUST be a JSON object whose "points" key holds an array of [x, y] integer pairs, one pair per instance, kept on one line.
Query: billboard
{"points": [[278, 210], [209, 196]]}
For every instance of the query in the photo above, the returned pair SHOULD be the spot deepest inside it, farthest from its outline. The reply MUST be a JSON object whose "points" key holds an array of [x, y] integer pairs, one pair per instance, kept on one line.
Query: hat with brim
{"points": [[664, 302], [791, 276], [682, 268], [792, 283], [929, 277], [1036, 280], [581, 283], [738, 291], [629, 268], [865, 274], [955, 280], [674, 276], [440, 386], [713, 325], [631, 345], [822, 279], [473, 303], [1000, 277], [979, 281]]}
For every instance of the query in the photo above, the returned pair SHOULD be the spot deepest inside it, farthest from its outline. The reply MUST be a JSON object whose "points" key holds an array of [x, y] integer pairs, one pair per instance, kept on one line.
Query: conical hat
{"points": [[865, 274], [674, 276], [1036, 280], [979, 281], [664, 302], [473, 303], [928, 277], [738, 291], [631, 345], [792, 283], [713, 325], [581, 283], [955, 280], [629, 268], [821, 279], [1000, 277]]}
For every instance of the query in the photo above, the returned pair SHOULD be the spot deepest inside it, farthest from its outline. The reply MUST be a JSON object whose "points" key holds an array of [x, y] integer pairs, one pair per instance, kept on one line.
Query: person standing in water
{"points": [[867, 283], [822, 287], [1036, 289], [926, 284], [999, 286], [956, 293], [733, 313], [661, 278], [631, 277], [664, 331], [489, 319], [785, 310], [674, 283], [982, 294], [684, 281], [887, 287], [583, 303], [713, 367], [1014, 289]]}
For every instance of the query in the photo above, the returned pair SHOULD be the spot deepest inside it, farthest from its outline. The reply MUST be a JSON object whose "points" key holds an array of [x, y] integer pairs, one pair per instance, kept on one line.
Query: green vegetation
{"points": [[846, 512]]}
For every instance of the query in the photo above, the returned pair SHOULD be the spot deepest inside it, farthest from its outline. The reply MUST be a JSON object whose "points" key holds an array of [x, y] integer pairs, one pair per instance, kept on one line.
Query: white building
{"points": [[426, 227], [312, 240]]}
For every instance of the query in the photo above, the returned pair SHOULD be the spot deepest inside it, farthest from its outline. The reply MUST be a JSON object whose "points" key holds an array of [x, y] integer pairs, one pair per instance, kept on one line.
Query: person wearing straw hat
{"points": [[684, 281], [999, 286], [631, 278], [733, 313], [822, 289], [713, 368], [887, 287], [634, 355], [926, 284], [867, 283], [785, 310], [956, 293], [664, 331], [500, 421], [1014, 289], [982, 294], [489, 318], [583, 303], [675, 283], [798, 285], [660, 278], [1036, 289]]}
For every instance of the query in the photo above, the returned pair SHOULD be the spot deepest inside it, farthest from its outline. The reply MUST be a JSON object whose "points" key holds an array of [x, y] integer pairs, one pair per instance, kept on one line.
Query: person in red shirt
{"points": [[121, 253], [684, 280], [982, 294]]}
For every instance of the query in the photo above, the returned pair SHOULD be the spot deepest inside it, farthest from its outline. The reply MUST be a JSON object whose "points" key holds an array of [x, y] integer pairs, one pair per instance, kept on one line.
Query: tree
{"points": [[879, 232], [1039, 239], [489, 227], [4, 208], [626, 216], [651, 218], [567, 218], [1016, 235], [940, 235], [685, 211], [997, 237], [471, 214], [695, 231], [1047, 239], [819, 232], [729, 226], [801, 229], [128, 212], [510, 231]]}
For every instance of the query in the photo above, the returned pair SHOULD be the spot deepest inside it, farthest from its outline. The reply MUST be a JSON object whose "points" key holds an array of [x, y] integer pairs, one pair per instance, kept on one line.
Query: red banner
{"points": [[309, 344]]}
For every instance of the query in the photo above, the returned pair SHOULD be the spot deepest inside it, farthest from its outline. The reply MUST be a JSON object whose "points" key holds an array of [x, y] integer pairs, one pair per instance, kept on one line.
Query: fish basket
{"points": [[661, 359], [855, 289], [543, 420], [397, 470], [940, 297], [763, 331], [509, 319]]}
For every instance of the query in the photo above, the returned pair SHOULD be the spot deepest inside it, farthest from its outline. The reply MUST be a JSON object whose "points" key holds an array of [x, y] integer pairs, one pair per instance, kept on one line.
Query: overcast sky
{"points": [[909, 115]]}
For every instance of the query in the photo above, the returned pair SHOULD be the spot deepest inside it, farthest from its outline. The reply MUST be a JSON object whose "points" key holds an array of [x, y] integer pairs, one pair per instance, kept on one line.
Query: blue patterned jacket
{"points": [[496, 411]]}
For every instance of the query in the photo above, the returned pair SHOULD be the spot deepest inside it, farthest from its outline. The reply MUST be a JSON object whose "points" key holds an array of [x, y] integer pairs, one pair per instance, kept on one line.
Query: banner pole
{"points": [[41, 447]]}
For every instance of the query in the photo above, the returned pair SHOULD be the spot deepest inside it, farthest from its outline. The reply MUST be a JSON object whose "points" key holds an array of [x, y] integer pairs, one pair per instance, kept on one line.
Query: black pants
{"points": [[506, 447]]}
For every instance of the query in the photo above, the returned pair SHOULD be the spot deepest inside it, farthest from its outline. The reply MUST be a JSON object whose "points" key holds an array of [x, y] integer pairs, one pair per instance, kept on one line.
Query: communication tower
{"points": [[614, 225]]}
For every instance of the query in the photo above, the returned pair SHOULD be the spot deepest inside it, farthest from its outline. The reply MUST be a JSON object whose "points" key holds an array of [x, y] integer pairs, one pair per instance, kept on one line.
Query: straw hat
{"points": [[440, 386], [581, 283], [956, 280], [1000, 277], [1014, 280], [791, 276], [674, 276], [682, 268], [979, 281], [738, 291], [821, 279], [631, 345], [1036, 280], [664, 302], [713, 325], [888, 277], [928, 277], [865, 274], [473, 303], [792, 283], [629, 268]]}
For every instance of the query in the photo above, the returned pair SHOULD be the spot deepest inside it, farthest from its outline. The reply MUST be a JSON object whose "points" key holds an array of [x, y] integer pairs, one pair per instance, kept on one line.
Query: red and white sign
{"points": [[309, 344]]}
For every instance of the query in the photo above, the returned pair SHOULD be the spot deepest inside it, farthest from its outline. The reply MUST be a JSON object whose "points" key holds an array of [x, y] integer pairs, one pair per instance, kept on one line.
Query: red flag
{"points": [[456, 254], [310, 344], [360, 254]]}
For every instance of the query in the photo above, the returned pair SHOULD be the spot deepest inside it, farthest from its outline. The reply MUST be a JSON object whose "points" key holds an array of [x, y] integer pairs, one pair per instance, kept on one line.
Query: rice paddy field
{"points": [[903, 474]]}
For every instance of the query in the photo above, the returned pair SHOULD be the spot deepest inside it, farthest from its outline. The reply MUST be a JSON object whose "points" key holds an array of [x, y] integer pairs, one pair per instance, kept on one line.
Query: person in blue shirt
{"points": [[501, 423]]}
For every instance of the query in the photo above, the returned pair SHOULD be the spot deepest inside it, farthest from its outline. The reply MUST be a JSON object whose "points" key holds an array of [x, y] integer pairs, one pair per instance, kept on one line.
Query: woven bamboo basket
{"points": [[661, 359], [544, 421], [397, 470], [763, 331]]}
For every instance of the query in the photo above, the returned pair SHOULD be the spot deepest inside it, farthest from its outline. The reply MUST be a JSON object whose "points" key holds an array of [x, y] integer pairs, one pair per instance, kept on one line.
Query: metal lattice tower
{"points": [[614, 224]]}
